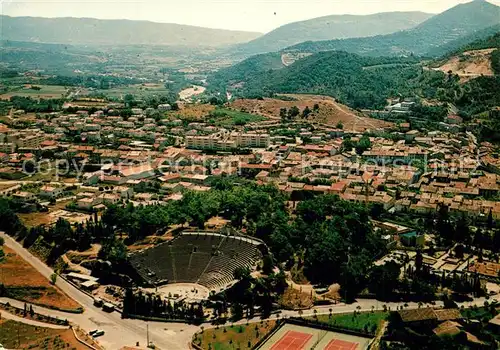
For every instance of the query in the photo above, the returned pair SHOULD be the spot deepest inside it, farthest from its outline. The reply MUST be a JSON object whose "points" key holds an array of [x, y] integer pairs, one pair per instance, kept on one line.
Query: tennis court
{"points": [[337, 344], [292, 340], [295, 337]]}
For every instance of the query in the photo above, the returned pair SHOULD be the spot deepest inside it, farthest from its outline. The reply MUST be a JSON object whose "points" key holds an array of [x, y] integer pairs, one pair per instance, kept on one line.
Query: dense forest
{"points": [[365, 82]]}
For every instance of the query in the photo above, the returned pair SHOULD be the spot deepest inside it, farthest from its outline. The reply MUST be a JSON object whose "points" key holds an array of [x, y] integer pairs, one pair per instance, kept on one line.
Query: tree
{"points": [[53, 278], [316, 107], [293, 112], [306, 112], [339, 125], [459, 251], [283, 114], [267, 264], [384, 279], [419, 260], [490, 222], [114, 251], [215, 101], [363, 144], [128, 99], [236, 311]]}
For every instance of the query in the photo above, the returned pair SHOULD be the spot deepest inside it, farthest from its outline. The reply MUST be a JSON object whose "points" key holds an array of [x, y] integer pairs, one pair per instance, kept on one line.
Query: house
{"points": [[88, 203], [89, 285], [428, 315], [92, 178], [25, 196], [50, 191], [141, 171], [412, 239], [124, 192], [109, 198]]}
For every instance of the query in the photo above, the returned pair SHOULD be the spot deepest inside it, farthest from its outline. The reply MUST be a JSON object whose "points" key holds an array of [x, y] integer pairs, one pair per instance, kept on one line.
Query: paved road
{"points": [[167, 336], [118, 332]]}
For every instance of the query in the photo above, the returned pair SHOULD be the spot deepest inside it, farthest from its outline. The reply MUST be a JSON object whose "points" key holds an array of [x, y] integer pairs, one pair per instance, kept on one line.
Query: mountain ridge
{"points": [[93, 31], [333, 27], [450, 25]]}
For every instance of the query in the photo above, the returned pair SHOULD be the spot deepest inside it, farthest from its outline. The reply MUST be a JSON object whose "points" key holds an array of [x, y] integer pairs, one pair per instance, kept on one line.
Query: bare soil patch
{"points": [[330, 112], [295, 299], [470, 65], [16, 335], [192, 111], [30, 286]]}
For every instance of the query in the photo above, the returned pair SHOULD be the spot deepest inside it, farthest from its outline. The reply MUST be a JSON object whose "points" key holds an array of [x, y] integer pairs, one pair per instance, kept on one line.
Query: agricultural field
{"points": [[25, 283], [16, 335], [138, 90], [233, 337], [365, 321], [36, 91]]}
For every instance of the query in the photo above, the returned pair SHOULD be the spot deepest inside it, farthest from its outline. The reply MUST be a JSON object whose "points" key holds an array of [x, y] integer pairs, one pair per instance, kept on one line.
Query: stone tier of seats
{"points": [[207, 259]]}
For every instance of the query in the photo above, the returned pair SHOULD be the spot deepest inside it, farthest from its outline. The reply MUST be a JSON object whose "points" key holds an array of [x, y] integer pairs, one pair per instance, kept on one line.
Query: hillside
{"points": [[480, 57], [360, 82], [482, 39], [333, 27], [469, 65], [459, 21], [330, 112], [364, 82], [247, 69], [89, 31]]}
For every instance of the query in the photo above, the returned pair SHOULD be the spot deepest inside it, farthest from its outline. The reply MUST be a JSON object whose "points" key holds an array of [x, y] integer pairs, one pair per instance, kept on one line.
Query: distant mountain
{"points": [[482, 39], [90, 31], [333, 27], [459, 21]]}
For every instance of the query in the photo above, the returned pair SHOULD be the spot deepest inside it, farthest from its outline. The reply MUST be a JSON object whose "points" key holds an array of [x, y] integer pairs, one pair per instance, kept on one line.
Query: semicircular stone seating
{"points": [[205, 258]]}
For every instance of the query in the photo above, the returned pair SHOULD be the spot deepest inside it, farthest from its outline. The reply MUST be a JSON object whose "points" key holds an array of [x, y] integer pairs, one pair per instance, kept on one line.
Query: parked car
{"points": [[98, 333], [108, 307]]}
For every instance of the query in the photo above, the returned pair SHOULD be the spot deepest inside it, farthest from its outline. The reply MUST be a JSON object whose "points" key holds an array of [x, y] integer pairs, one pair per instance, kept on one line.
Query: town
{"points": [[291, 190]]}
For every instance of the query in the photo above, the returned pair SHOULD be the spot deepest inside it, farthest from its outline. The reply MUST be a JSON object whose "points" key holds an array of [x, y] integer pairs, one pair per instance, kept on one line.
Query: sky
{"points": [[249, 15]]}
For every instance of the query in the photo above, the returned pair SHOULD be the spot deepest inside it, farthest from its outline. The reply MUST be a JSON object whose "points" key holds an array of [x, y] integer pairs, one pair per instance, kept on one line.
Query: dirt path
{"points": [[380, 333]]}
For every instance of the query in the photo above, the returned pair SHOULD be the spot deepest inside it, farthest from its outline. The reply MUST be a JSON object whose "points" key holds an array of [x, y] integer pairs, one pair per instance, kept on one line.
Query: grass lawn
{"points": [[480, 313], [366, 321], [16, 335], [228, 117], [235, 337]]}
